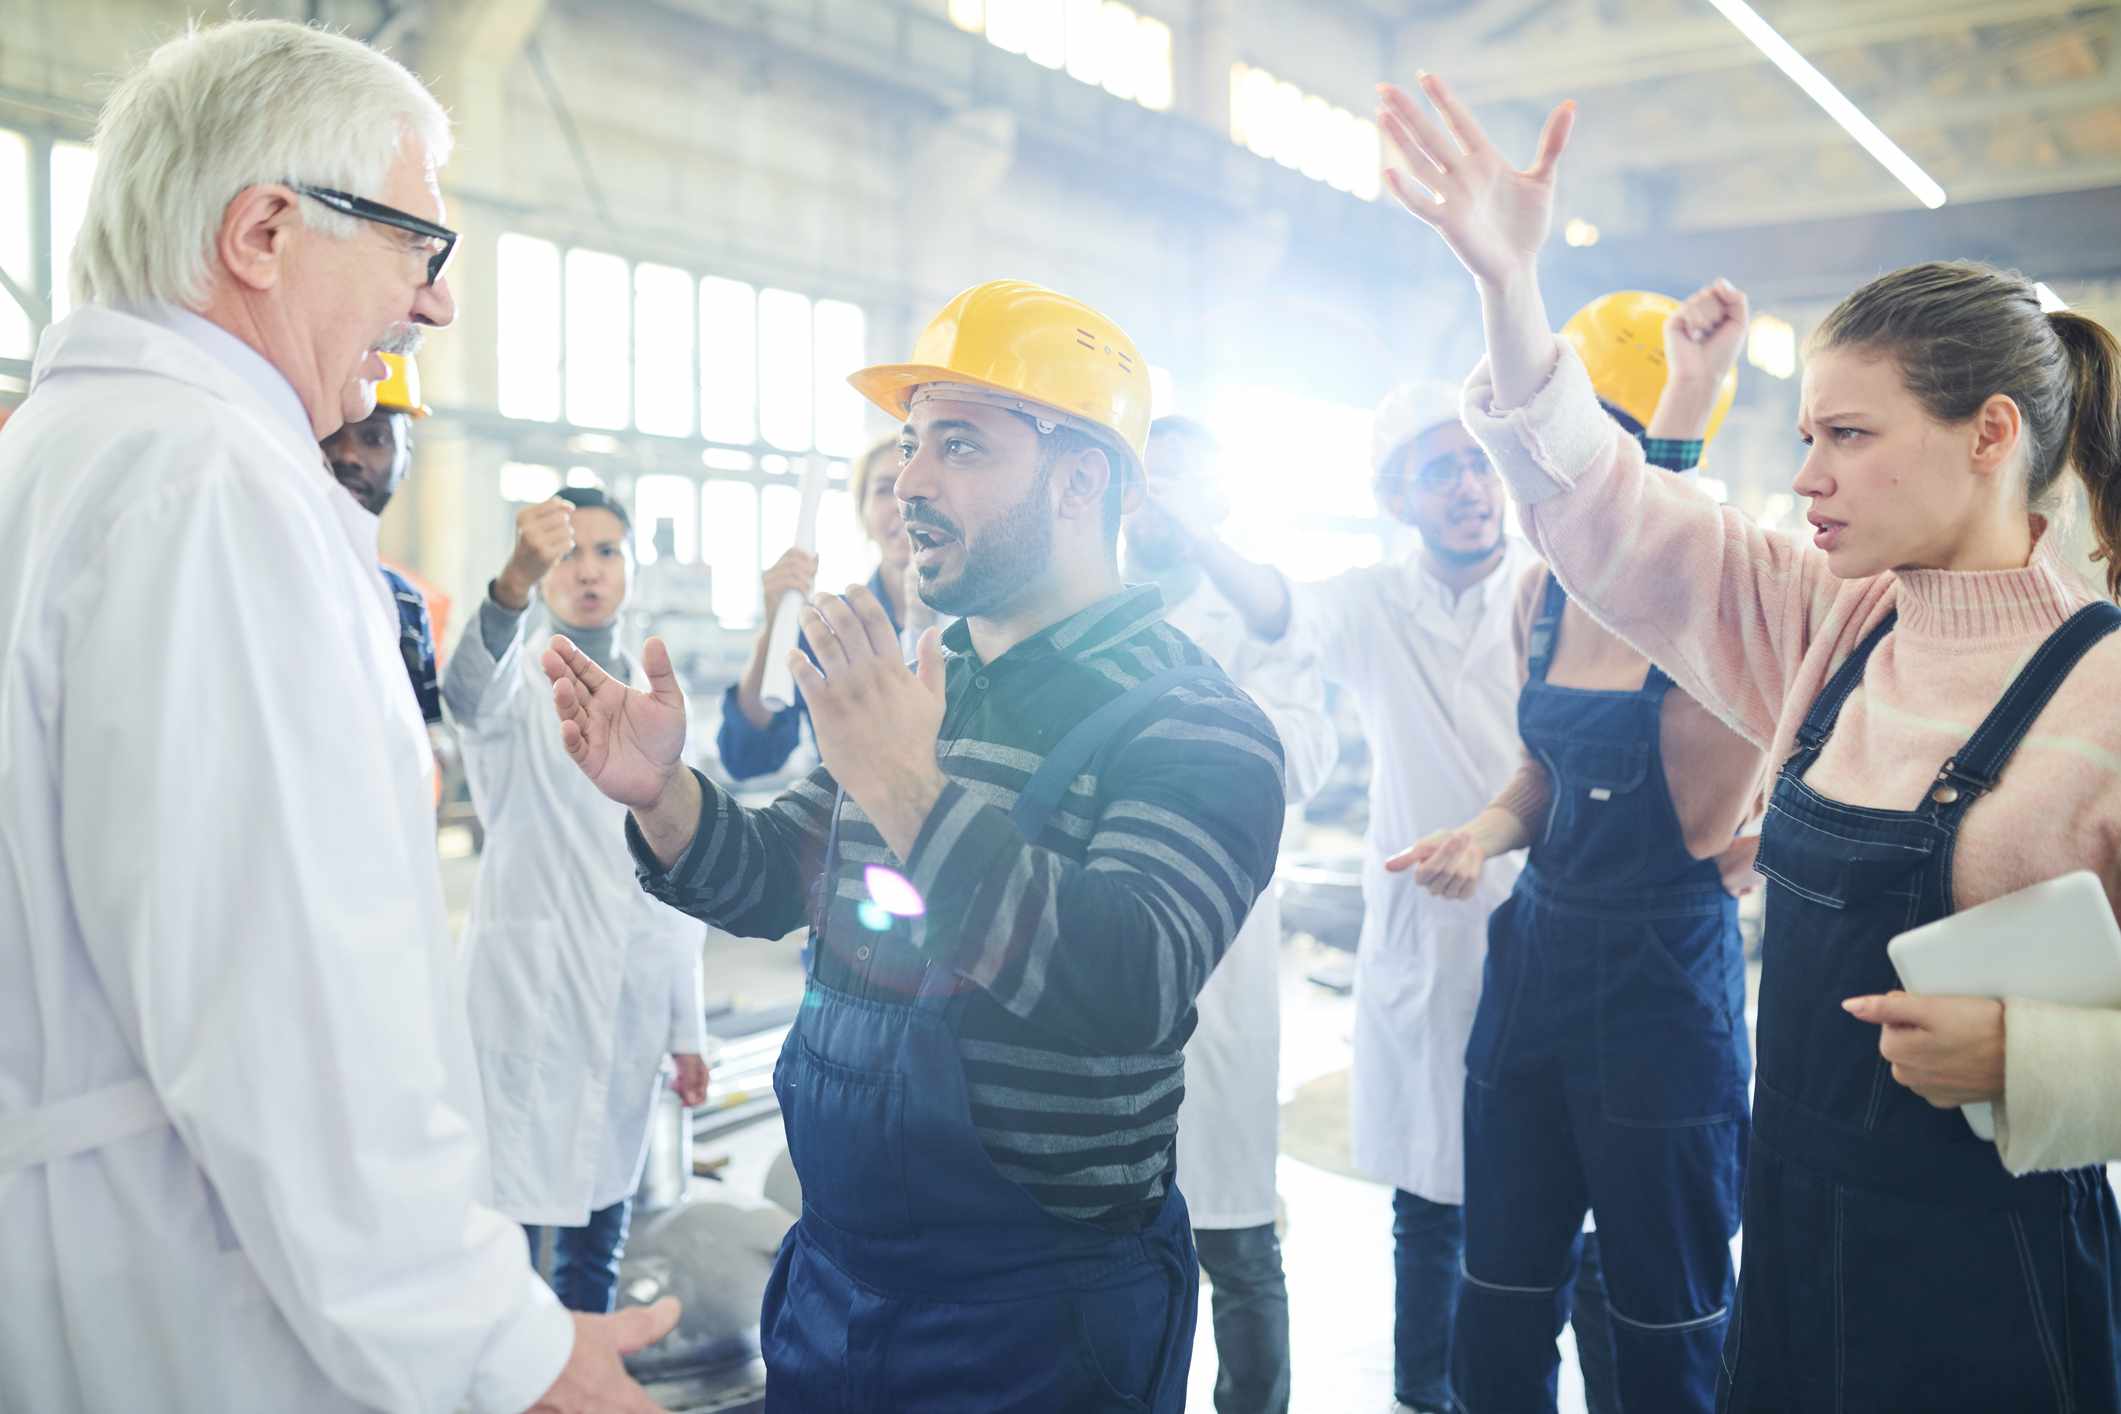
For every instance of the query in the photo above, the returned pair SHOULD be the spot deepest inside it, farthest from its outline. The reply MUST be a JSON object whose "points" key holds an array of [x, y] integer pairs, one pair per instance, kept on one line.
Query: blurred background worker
{"points": [[756, 740], [371, 457], [580, 983], [1609, 1060], [1229, 1127], [1424, 645]]}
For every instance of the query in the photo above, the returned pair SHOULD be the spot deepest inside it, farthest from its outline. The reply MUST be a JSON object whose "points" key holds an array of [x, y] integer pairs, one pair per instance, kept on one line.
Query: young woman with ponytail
{"points": [[1938, 695]]}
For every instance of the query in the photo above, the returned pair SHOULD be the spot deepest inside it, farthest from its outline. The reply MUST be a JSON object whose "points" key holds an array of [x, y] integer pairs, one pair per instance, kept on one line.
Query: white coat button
{"points": [[861, 953]]}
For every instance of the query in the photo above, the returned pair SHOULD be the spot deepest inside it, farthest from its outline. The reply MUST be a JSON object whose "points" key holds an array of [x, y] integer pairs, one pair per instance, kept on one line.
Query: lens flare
{"points": [[893, 892]]}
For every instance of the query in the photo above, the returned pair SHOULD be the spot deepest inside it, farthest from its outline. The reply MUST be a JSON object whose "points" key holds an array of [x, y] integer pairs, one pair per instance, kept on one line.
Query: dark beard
{"points": [[1011, 555]]}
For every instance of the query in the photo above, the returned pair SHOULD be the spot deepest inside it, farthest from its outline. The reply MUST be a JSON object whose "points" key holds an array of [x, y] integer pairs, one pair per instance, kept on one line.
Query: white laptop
{"points": [[2053, 942]]}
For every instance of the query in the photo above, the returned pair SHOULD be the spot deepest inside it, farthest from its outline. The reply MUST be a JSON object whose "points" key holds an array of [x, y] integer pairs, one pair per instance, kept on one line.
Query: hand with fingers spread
{"points": [[1494, 217], [594, 1380], [1948, 1050], [876, 722], [625, 740]]}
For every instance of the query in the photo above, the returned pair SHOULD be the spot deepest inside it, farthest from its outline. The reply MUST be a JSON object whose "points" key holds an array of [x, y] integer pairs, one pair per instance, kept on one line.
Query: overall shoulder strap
{"points": [[1043, 794], [1826, 707], [1546, 630], [1979, 764]]}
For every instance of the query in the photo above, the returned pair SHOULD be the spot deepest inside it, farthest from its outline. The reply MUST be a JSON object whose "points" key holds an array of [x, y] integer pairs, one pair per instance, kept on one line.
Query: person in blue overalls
{"points": [[1608, 1059], [1026, 856], [1936, 689]]}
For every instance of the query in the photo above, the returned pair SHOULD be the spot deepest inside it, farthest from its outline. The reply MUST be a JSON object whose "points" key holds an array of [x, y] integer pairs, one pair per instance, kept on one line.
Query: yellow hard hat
{"points": [[1027, 343], [1620, 338], [400, 392]]}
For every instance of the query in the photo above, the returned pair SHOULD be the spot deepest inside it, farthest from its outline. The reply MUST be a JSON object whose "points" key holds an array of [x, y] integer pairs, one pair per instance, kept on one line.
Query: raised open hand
{"points": [[1494, 217], [625, 740]]}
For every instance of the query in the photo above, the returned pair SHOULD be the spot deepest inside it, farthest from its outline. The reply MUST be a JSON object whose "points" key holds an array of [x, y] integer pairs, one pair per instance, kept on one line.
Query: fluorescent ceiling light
{"points": [[1836, 104]]}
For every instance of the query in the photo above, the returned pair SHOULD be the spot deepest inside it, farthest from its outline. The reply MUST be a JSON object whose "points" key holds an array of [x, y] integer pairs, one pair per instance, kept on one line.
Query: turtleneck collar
{"points": [[601, 644], [1969, 605]]}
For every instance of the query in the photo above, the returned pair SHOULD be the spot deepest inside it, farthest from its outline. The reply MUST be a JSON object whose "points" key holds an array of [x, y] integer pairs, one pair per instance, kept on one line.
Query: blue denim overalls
{"points": [[1891, 1262], [1606, 1069]]}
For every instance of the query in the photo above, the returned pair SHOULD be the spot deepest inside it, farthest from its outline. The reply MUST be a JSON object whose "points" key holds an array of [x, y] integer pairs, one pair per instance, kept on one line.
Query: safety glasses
{"points": [[360, 206]]}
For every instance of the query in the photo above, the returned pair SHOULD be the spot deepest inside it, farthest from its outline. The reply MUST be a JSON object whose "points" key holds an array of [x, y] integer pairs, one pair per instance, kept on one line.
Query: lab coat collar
{"points": [[166, 342]]}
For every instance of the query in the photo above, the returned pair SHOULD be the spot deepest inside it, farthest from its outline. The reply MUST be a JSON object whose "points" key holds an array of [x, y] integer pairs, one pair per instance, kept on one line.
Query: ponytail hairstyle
{"points": [[1962, 332], [2095, 430]]}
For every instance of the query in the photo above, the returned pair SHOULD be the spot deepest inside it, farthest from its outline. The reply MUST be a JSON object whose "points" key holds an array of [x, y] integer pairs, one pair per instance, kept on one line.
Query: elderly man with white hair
{"points": [[241, 1162]]}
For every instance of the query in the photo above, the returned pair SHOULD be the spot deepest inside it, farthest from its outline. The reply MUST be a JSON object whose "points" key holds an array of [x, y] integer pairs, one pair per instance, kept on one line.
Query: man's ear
{"points": [[256, 230], [1085, 478]]}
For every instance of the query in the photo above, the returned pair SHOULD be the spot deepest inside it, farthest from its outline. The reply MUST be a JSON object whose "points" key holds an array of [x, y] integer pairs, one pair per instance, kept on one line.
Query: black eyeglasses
{"points": [[360, 206]]}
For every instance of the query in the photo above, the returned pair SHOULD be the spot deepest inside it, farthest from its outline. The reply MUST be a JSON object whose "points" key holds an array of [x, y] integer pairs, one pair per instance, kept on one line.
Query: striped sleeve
{"points": [[747, 872], [1110, 952]]}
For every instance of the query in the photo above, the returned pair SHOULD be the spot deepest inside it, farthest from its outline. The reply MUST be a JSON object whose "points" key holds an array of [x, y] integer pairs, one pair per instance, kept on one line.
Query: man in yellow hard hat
{"points": [[1020, 861], [370, 455]]}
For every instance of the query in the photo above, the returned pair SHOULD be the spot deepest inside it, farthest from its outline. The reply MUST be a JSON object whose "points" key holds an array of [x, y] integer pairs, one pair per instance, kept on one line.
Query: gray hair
{"points": [[223, 108]]}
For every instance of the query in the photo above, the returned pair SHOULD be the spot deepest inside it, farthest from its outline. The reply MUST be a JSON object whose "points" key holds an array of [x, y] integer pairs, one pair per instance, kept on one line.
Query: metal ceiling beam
{"points": [[1700, 210], [1721, 142], [1612, 56]]}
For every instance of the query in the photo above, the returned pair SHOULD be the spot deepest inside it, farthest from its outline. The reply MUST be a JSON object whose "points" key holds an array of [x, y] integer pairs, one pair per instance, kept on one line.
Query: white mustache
{"points": [[403, 339]]}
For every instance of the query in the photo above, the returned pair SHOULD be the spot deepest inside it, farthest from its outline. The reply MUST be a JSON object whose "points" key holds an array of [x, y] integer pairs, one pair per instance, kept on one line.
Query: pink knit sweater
{"points": [[1751, 624]]}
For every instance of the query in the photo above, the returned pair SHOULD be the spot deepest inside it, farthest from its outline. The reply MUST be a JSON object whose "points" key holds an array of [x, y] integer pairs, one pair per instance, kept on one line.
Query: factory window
{"points": [[1100, 42], [527, 484], [1313, 523], [589, 338], [662, 351], [52, 177], [598, 358], [728, 361], [839, 336], [17, 334], [1277, 120], [663, 500], [527, 321], [729, 538], [73, 167], [786, 391]]}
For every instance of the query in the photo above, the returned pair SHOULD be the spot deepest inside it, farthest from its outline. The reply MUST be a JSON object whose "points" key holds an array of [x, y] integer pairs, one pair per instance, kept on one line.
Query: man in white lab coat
{"points": [[1425, 646], [1229, 1126], [580, 982], [240, 1161]]}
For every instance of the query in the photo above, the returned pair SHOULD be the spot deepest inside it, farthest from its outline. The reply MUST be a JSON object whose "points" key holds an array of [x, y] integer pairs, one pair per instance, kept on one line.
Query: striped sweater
{"points": [[1087, 947]]}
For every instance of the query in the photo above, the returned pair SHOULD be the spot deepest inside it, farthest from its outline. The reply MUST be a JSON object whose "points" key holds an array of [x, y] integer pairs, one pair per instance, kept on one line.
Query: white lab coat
{"points": [[1435, 683], [580, 982], [218, 884], [1229, 1126]]}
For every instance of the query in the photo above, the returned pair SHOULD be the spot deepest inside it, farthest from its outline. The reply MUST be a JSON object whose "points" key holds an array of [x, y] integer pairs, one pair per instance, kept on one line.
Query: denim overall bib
{"points": [[1606, 1069], [1891, 1262]]}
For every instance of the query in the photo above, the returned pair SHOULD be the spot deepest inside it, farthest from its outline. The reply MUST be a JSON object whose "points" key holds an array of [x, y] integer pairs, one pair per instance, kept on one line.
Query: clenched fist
{"points": [[544, 536]]}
